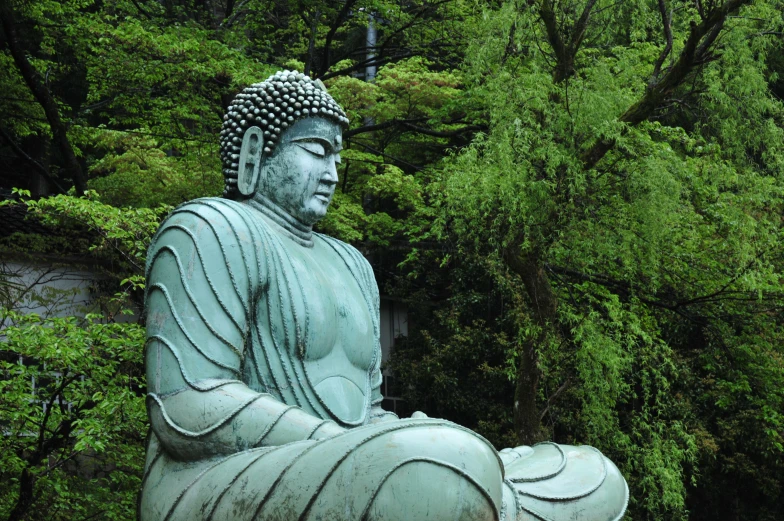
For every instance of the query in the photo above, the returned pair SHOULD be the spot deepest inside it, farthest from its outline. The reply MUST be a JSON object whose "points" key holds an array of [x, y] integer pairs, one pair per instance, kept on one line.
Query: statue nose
{"points": [[331, 174]]}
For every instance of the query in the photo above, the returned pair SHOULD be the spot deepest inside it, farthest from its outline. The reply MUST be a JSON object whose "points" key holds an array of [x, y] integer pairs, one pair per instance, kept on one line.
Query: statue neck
{"points": [[296, 230]]}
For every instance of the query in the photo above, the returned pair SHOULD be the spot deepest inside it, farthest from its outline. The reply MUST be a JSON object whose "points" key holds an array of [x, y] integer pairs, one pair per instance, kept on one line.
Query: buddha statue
{"points": [[263, 360]]}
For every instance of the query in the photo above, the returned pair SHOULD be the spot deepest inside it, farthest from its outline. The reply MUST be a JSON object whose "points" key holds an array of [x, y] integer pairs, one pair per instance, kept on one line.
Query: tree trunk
{"points": [[26, 483], [537, 285], [312, 41], [565, 43], [697, 50], [527, 426]]}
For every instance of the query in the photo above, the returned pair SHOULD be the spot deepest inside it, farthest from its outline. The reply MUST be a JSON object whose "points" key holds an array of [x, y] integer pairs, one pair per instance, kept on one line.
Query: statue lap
{"points": [[406, 469]]}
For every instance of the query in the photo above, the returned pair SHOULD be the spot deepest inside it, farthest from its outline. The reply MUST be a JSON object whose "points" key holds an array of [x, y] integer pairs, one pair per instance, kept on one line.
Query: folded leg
{"points": [[401, 470]]}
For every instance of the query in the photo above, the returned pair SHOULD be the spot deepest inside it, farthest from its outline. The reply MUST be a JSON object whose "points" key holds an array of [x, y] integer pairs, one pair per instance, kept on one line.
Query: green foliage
{"points": [[71, 409], [378, 201], [72, 389], [112, 241], [458, 349], [665, 258], [151, 90], [122, 234]]}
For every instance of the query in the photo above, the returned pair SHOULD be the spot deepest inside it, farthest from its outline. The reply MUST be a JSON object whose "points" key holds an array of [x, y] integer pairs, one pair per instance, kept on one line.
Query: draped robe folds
{"points": [[241, 431]]}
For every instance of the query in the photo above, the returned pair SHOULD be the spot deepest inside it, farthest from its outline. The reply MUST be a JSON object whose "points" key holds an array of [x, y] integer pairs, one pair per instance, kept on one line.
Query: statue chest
{"points": [[335, 337]]}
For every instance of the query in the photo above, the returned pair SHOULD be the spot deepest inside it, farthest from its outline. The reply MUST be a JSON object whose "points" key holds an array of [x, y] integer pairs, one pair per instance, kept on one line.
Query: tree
{"points": [[72, 388], [638, 209], [127, 97], [73, 418]]}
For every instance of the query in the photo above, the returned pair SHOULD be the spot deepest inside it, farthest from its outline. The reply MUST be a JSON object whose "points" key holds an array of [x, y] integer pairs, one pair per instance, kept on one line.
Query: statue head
{"points": [[280, 140]]}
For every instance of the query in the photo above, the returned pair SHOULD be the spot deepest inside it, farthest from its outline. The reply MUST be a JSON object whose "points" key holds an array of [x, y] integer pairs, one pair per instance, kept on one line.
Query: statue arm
{"points": [[202, 281]]}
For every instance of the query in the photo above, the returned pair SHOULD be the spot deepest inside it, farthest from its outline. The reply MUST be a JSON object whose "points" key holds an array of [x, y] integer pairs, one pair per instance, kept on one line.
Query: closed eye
{"points": [[314, 147]]}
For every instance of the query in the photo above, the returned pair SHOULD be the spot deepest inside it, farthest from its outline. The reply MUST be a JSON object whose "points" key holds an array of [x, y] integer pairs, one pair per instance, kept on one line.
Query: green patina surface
{"points": [[263, 368]]}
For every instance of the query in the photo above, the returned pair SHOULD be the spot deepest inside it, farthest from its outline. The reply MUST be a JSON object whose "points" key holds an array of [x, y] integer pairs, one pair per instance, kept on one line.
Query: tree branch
{"points": [[377, 61], [380, 59], [44, 444], [565, 53], [141, 9], [578, 32], [695, 52], [339, 20], [669, 301], [667, 25], [44, 97], [35, 164], [446, 134], [547, 13], [370, 128], [410, 124], [387, 156], [312, 39]]}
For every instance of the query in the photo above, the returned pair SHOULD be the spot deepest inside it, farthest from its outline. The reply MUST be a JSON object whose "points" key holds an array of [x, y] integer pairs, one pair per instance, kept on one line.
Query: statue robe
{"points": [[241, 431]]}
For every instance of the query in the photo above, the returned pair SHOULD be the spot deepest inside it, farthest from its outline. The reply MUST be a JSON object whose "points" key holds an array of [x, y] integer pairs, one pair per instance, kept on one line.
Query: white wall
{"points": [[50, 291]]}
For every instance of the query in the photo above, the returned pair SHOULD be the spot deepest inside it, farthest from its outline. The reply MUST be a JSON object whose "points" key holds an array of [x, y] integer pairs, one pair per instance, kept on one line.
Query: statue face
{"points": [[301, 174]]}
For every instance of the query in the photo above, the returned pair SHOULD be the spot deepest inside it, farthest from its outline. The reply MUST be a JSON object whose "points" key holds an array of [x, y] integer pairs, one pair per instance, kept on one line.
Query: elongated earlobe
{"points": [[250, 161]]}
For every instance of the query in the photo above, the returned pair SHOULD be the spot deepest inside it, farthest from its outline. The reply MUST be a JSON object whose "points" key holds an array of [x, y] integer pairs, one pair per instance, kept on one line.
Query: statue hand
{"points": [[379, 415]]}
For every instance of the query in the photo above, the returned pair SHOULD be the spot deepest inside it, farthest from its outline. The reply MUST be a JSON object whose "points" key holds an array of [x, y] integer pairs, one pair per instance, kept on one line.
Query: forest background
{"points": [[580, 202]]}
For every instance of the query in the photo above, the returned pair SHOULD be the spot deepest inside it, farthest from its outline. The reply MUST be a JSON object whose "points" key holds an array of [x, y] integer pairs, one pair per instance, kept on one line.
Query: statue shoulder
{"points": [[211, 219], [231, 214], [208, 226]]}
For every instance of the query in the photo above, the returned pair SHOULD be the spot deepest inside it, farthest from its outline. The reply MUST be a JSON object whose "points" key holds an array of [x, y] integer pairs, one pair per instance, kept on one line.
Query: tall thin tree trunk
{"points": [[312, 42], [537, 285]]}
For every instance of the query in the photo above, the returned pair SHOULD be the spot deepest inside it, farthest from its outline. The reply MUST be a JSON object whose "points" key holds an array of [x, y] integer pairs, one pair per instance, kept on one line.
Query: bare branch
{"points": [[237, 12], [410, 124], [141, 9], [340, 19], [312, 40], [565, 52], [667, 25], [385, 155], [370, 128], [35, 164], [547, 13], [43, 444], [436, 133], [578, 32], [552, 398], [377, 61]]}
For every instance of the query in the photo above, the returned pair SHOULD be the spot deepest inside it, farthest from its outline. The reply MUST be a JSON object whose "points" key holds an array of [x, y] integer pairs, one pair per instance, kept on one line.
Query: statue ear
{"points": [[250, 161]]}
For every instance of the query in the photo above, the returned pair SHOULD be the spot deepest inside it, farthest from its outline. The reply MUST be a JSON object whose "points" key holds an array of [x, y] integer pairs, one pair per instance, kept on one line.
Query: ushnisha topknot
{"points": [[272, 105]]}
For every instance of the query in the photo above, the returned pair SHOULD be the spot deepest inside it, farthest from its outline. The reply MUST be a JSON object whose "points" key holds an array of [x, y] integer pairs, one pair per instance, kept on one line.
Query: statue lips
{"points": [[325, 191], [324, 197]]}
